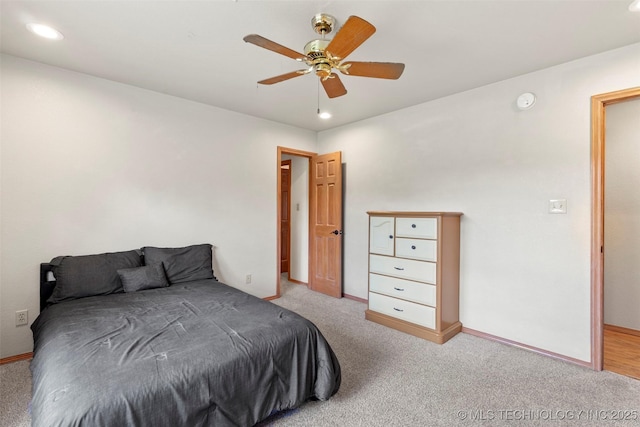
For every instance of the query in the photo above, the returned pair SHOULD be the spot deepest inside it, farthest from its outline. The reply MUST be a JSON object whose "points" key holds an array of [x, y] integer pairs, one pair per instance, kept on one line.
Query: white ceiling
{"points": [[194, 49]]}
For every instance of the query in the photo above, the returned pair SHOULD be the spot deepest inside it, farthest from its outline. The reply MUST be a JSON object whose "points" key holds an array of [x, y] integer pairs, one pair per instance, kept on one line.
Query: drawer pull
{"points": [[413, 246], [399, 268], [398, 289], [397, 309], [413, 226], [390, 236]]}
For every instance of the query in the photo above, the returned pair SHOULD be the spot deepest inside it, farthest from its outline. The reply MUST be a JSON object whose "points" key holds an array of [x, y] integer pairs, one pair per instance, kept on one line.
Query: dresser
{"points": [[414, 272]]}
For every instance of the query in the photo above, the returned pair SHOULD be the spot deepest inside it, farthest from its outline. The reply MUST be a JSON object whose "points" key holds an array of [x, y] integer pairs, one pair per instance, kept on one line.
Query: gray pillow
{"points": [[89, 275], [145, 277], [182, 264]]}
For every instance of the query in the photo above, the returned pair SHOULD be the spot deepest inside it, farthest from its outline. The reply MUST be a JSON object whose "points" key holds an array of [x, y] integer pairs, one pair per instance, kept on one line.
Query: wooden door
{"points": [[325, 242], [285, 214]]}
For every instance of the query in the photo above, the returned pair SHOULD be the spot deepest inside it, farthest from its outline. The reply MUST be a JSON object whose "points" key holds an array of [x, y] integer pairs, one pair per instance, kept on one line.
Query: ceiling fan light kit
{"points": [[323, 56]]}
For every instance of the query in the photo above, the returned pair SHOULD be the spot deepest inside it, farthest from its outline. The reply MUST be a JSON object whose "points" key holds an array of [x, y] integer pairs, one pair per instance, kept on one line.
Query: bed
{"points": [[151, 338]]}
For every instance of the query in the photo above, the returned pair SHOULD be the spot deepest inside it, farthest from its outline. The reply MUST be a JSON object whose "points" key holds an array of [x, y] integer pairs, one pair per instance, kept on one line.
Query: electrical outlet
{"points": [[22, 317], [247, 280], [558, 206]]}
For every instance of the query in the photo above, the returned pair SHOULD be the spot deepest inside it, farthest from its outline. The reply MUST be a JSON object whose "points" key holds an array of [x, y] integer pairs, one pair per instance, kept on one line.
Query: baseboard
{"points": [[527, 347], [297, 282], [351, 297], [622, 330], [347, 296], [16, 358]]}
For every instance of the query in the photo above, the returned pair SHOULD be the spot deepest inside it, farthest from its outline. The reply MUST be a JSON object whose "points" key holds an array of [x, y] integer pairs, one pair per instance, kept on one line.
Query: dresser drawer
{"points": [[405, 310], [425, 250], [421, 228], [421, 271], [412, 291]]}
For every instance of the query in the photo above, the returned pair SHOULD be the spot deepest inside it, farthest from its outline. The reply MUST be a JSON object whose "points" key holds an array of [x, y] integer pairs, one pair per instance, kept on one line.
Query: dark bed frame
{"points": [[46, 285]]}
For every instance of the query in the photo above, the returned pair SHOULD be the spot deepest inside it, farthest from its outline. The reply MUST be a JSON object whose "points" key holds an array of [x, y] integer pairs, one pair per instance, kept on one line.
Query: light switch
{"points": [[558, 206]]}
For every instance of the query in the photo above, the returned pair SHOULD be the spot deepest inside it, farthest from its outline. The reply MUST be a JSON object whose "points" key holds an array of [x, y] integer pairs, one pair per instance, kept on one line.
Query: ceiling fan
{"points": [[323, 56]]}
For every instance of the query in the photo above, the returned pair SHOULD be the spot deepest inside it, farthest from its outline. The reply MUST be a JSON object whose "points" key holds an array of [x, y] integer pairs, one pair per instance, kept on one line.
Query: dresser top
{"points": [[412, 214]]}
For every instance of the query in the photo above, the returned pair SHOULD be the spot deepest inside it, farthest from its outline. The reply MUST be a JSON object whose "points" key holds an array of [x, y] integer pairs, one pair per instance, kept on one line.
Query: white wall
{"points": [[525, 273], [299, 261], [90, 166], [622, 215]]}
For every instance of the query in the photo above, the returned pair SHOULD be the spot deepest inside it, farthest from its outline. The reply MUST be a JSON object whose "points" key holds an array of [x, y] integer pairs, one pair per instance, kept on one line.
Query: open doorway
{"points": [[294, 223], [297, 265], [622, 239], [599, 249]]}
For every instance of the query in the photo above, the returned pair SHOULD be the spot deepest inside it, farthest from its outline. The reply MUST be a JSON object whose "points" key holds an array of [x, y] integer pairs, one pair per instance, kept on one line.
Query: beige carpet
{"points": [[394, 379]]}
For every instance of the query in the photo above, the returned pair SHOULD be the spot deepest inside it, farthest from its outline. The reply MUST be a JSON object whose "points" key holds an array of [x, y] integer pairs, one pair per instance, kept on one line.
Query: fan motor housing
{"points": [[315, 48]]}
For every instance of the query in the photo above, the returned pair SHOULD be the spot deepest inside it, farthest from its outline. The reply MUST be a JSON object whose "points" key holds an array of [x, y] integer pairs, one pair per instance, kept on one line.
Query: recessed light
{"points": [[45, 31], [635, 6], [324, 115]]}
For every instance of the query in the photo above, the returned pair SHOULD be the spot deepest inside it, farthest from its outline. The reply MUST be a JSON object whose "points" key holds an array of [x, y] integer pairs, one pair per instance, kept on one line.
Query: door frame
{"points": [[293, 152], [598, 127], [288, 242]]}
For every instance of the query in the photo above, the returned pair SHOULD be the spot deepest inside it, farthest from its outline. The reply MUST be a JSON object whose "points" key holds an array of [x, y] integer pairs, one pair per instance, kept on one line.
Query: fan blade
{"points": [[379, 70], [283, 77], [333, 86], [353, 33], [273, 46]]}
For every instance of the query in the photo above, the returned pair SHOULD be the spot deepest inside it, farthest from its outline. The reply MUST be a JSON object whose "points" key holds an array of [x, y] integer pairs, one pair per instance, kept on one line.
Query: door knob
{"points": [[336, 232]]}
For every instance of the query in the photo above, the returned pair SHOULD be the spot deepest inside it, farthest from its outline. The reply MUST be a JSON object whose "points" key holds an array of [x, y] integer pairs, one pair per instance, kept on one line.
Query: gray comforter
{"points": [[195, 354]]}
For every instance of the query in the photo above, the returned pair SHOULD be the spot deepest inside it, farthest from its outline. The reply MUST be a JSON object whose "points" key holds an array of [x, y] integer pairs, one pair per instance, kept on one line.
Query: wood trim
{"points": [[412, 328], [346, 296], [537, 350], [622, 330], [293, 152], [449, 303], [402, 214], [598, 128], [16, 358], [297, 282], [351, 297]]}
